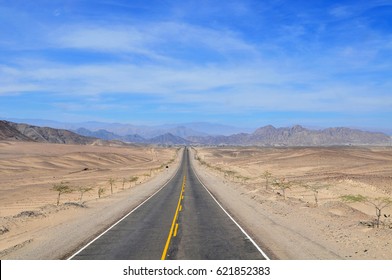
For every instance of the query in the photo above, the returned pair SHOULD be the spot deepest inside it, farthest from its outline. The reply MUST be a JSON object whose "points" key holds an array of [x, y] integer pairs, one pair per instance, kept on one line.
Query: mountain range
{"points": [[25, 132], [263, 136], [183, 130], [298, 136]]}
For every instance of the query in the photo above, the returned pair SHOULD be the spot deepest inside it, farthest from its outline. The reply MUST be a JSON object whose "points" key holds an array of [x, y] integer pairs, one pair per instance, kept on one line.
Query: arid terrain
{"points": [[312, 221], [308, 220], [29, 171]]}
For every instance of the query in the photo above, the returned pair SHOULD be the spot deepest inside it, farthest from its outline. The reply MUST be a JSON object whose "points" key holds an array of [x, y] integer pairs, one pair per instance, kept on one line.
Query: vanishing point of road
{"points": [[180, 221]]}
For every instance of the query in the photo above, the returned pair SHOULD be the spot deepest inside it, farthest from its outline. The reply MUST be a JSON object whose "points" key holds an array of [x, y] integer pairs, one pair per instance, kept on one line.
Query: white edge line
{"points": [[126, 215], [243, 231]]}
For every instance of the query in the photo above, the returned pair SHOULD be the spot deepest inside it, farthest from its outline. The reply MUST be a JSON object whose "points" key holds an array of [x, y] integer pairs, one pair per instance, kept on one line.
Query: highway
{"points": [[180, 221]]}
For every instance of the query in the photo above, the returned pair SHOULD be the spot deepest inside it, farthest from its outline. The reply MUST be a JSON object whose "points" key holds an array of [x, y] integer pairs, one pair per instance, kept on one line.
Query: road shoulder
{"points": [[63, 232], [279, 237]]}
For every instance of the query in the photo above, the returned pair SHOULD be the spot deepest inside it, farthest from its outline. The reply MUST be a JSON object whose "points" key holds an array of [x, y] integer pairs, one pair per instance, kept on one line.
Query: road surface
{"points": [[181, 221]]}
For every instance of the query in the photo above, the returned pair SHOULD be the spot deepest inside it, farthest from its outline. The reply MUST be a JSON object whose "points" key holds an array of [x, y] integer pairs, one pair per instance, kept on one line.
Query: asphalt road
{"points": [[181, 221]]}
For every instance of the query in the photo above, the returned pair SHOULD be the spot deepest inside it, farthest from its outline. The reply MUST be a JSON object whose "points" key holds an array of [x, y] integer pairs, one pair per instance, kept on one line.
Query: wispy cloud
{"points": [[158, 41], [227, 58]]}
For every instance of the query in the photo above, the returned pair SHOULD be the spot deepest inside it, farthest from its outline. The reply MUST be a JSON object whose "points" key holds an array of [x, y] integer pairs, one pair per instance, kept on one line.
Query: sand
{"points": [[32, 226], [297, 227]]}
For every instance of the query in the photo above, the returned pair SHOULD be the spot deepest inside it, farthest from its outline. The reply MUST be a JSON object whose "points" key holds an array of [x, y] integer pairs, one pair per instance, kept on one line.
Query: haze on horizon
{"points": [[243, 63]]}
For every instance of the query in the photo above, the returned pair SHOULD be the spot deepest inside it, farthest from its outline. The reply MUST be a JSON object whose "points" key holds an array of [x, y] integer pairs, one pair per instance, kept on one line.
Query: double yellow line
{"points": [[174, 227]]}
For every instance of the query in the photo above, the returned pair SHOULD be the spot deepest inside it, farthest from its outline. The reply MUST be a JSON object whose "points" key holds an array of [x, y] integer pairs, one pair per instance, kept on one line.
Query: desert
{"points": [[33, 226], [307, 220]]}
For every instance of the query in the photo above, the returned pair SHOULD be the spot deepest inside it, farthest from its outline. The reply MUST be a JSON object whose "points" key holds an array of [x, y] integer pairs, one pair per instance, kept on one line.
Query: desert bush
{"points": [[229, 174], [379, 203], [283, 185], [132, 180], [3, 230], [61, 188], [314, 188], [243, 179], [124, 180], [82, 191], [111, 183], [101, 191], [267, 175]]}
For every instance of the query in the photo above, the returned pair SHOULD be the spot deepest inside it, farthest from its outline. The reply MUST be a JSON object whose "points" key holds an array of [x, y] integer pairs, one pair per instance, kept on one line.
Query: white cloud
{"points": [[341, 11], [246, 79], [159, 40], [241, 86]]}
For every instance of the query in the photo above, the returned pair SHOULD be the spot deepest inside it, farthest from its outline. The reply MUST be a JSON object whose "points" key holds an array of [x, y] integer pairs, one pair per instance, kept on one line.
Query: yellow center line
{"points": [[175, 230], [174, 224]]}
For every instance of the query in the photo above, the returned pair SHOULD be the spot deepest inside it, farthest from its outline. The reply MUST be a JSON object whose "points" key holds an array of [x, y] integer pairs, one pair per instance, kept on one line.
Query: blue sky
{"points": [[246, 63]]}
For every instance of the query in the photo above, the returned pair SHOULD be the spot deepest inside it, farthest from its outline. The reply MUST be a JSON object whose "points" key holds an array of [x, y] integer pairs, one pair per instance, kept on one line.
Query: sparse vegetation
{"points": [[132, 180], [124, 180], [379, 203], [101, 191], [3, 230], [229, 174], [243, 179], [267, 175], [61, 188], [314, 188], [283, 185], [82, 191], [111, 183]]}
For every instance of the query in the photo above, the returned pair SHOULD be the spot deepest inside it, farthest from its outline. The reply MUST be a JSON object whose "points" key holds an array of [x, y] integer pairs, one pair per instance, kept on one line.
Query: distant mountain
{"points": [[298, 136], [25, 132], [135, 138], [106, 135], [263, 136], [164, 139], [183, 130], [8, 132], [214, 129], [149, 131], [169, 139], [101, 134]]}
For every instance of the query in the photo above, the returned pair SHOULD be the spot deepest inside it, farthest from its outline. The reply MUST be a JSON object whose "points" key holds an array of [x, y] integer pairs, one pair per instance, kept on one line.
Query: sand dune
{"points": [[33, 227], [29, 170]]}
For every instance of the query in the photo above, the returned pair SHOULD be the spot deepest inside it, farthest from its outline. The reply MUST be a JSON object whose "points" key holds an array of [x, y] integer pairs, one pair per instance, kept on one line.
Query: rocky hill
{"points": [[263, 136], [25, 132], [8, 132], [164, 139], [169, 139], [107, 135], [298, 136]]}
